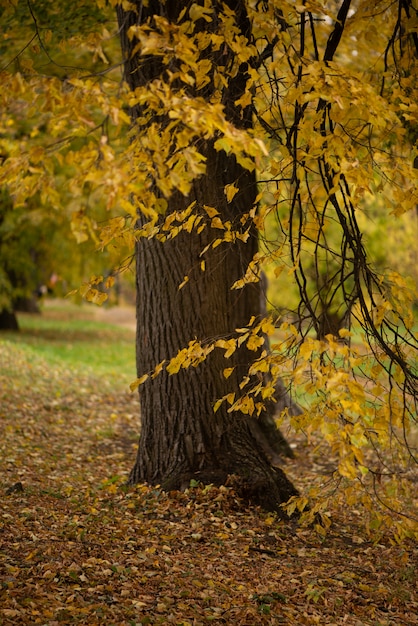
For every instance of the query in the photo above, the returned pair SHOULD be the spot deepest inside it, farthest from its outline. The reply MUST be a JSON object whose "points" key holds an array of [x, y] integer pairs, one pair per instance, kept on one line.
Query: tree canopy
{"points": [[327, 124]]}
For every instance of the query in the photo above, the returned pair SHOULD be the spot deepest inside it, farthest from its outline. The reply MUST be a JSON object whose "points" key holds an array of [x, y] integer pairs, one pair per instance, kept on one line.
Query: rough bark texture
{"points": [[181, 436]]}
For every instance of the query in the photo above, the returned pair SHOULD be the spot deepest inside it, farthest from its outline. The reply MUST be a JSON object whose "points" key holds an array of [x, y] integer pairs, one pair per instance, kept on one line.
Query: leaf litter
{"points": [[78, 546]]}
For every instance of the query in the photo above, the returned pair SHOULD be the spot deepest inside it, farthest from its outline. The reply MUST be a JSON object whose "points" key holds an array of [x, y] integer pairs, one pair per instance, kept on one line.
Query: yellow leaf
{"points": [[185, 281], [158, 368], [217, 405], [222, 144], [210, 210], [228, 371], [254, 342], [305, 350], [217, 223], [230, 191], [176, 362], [239, 284], [109, 282], [347, 468], [96, 296], [197, 12], [243, 236], [344, 332], [136, 383], [228, 345], [246, 162], [267, 327]]}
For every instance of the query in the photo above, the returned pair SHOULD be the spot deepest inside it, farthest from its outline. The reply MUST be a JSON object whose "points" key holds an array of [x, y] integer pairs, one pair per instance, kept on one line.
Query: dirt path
{"points": [[120, 315]]}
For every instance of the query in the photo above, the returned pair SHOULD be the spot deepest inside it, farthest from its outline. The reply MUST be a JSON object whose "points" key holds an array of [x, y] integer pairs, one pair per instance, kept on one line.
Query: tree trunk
{"points": [[181, 435], [27, 305], [8, 320]]}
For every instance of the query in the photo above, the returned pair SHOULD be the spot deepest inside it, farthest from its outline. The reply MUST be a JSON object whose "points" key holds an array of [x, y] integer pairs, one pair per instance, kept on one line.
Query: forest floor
{"points": [[77, 546]]}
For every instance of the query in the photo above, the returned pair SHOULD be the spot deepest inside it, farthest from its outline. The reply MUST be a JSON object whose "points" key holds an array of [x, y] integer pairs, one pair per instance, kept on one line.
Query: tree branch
{"points": [[335, 37]]}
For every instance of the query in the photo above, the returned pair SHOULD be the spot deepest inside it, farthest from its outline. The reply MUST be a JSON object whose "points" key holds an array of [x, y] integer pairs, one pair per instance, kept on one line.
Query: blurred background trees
{"points": [[49, 239]]}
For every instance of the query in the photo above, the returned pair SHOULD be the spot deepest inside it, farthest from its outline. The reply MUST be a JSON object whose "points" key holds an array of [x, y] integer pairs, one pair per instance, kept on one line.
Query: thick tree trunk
{"points": [[181, 435]]}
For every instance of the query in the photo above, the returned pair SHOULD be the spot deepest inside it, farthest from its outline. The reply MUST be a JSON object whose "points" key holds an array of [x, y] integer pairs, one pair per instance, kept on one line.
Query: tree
{"points": [[181, 436], [40, 200], [193, 116], [264, 138]]}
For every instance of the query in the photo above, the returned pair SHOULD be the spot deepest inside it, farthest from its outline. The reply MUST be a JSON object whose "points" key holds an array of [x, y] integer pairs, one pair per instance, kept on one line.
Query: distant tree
{"points": [[48, 222], [21, 267]]}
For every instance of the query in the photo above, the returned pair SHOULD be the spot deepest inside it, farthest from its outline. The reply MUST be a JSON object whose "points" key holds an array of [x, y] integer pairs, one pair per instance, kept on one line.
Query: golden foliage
{"points": [[332, 135]]}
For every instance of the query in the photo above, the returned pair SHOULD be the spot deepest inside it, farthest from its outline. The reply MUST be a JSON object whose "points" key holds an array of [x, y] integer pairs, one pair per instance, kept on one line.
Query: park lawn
{"points": [[80, 547], [69, 335]]}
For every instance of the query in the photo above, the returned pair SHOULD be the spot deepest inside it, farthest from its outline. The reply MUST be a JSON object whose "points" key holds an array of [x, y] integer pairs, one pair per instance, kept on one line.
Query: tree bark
{"points": [[8, 320], [27, 305], [181, 435]]}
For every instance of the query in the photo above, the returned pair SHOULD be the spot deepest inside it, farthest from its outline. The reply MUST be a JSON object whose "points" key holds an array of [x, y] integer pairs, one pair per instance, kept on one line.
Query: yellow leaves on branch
{"points": [[229, 345], [192, 356], [196, 352], [118, 230], [170, 153], [63, 141], [82, 226], [350, 406], [189, 220], [91, 293]]}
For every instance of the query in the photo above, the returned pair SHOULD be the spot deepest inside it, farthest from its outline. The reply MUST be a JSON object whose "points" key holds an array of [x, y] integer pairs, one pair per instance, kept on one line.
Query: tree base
{"points": [[240, 462], [27, 305], [8, 320], [269, 493]]}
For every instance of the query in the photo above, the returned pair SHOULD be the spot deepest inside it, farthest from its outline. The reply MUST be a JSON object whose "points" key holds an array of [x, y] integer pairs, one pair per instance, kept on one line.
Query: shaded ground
{"points": [[78, 547]]}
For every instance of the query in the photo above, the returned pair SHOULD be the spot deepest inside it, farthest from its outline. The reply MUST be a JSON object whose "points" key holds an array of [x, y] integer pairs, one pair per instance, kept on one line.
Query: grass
{"points": [[70, 336]]}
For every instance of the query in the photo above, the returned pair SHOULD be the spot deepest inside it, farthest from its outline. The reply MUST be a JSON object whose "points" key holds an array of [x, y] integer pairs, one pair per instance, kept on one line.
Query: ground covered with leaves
{"points": [[80, 547]]}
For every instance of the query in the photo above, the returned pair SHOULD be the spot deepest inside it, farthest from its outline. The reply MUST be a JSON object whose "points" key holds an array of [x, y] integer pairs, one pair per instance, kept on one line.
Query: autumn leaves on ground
{"points": [[79, 547]]}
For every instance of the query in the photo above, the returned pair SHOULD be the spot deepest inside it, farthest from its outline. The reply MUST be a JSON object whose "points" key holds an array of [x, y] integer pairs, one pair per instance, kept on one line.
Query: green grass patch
{"points": [[70, 337]]}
